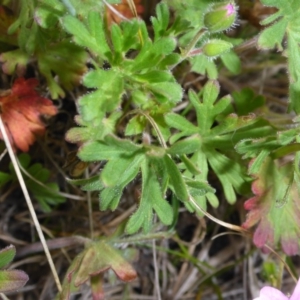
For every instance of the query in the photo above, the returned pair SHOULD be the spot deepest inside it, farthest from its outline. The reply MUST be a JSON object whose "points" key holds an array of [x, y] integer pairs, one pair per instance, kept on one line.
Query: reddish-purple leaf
{"points": [[100, 257], [68, 284], [91, 264], [275, 208], [97, 287], [11, 280]]}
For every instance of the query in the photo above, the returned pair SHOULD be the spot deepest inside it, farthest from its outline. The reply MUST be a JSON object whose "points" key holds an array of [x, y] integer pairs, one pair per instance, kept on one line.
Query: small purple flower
{"points": [[230, 9], [270, 293]]}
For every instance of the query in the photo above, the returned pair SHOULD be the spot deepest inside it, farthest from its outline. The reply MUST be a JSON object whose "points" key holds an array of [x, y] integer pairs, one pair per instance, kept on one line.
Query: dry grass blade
{"points": [[283, 262], [3, 296], [132, 7], [222, 223], [110, 7], [29, 203]]}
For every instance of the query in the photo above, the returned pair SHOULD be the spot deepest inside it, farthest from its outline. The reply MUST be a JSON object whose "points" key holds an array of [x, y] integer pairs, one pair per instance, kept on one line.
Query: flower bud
{"points": [[220, 16], [215, 47]]}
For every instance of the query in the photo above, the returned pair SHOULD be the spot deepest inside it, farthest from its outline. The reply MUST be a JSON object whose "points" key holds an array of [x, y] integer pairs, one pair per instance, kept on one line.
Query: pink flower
{"points": [[230, 9], [270, 293]]}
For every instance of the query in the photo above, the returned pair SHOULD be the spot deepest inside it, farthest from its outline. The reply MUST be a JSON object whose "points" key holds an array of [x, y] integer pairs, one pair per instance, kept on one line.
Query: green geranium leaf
{"points": [[167, 91], [232, 62], [151, 198], [121, 170], [209, 140], [7, 255], [272, 36], [110, 148], [37, 181], [205, 66], [247, 101], [57, 60], [176, 181], [4, 178], [186, 146], [89, 34]]}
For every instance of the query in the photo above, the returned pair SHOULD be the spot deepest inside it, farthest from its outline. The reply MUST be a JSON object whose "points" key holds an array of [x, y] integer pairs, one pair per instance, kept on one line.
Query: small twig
{"points": [[3, 154], [69, 196], [70, 8], [283, 262], [56, 243], [29, 204], [90, 208], [222, 223], [248, 44], [156, 272], [110, 7], [138, 238], [156, 128], [186, 52], [3, 296]]}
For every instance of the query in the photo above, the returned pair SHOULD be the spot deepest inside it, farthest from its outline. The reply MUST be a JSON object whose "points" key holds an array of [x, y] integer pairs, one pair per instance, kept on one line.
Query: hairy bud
{"points": [[215, 47], [220, 16]]}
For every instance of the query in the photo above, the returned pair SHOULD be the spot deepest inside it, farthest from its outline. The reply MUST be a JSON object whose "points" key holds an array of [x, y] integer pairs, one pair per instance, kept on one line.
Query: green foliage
{"points": [[285, 24], [208, 143], [271, 271], [38, 35], [10, 280], [168, 152], [37, 182], [130, 118], [125, 161]]}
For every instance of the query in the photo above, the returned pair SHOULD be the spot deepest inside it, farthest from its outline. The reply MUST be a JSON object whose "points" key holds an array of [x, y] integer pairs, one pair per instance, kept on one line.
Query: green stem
{"points": [[70, 8], [144, 237], [192, 43], [185, 52], [152, 122]]}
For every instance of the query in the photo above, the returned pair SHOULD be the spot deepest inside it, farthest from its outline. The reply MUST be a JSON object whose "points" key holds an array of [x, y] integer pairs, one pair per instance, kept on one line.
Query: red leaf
{"points": [[91, 264], [99, 258], [275, 208], [21, 108]]}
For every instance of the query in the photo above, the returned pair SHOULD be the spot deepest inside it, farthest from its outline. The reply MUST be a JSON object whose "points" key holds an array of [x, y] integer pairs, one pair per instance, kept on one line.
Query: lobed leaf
{"points": [[161, 22], [151, 198], [90, 35], [110, 148], [21, 108], [274, 207], [97, 258], [176, 181], [124, 169]]}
